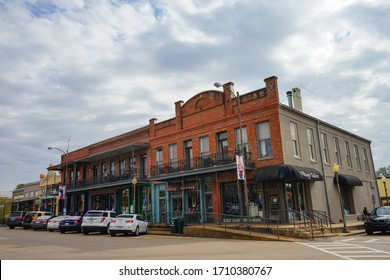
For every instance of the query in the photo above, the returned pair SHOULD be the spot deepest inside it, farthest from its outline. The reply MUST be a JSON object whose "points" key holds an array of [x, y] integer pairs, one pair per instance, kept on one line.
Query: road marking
{"points": [[347, 251]]}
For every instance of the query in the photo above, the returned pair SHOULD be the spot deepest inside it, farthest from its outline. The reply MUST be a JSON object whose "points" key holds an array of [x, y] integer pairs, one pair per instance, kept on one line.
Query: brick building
{"points": [[188, 162]]}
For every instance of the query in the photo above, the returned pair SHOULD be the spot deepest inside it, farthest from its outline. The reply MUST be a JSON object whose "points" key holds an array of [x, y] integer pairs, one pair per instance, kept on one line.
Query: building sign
{"points": [[173, 188], [309, 175]]}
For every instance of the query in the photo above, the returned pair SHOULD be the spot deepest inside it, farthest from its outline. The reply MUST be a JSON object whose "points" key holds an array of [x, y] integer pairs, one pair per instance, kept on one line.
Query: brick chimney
{"points": [[179, 123]]}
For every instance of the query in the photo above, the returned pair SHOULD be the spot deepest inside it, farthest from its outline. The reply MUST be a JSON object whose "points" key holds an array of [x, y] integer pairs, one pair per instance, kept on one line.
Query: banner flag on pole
{"points": [[240, 167], [61, 192]]}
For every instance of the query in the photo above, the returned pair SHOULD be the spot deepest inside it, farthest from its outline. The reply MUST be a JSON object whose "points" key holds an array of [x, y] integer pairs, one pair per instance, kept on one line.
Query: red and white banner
{"points": [[240, 167], [61, 192]]}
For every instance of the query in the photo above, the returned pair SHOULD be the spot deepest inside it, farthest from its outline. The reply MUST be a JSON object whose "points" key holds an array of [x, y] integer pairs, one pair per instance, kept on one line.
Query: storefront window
{"points": [[125, 201], [231, 201]]}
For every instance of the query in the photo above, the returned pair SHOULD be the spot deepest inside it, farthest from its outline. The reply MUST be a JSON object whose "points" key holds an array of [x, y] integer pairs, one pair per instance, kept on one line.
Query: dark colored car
{"points": [[32, 215], [15, 219], [40, 222], [379, 220], [72, 223]]}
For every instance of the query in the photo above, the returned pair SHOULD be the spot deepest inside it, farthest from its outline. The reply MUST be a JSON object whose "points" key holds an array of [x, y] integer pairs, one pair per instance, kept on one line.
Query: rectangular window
{"points": [[310, 141], [104, 170], [122, 167], [294, 138], [204, 146], [337, 151], [357, 157], [188, 154], [348, 154], [365, 160], [173, 163], [159, 160], [223, 149], [325, 150], [242, 147], [264, 140], [112, 168]]}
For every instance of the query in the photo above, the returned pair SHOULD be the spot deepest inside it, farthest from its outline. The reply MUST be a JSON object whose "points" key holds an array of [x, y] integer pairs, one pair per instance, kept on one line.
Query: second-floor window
{"points": [[365, 160], [325, 150], [112, 168], [348, 154], [173, 155], [337, 151], [242, 147], [188, 154], [310, 141], [204, 147], [295, 139], [159, 157], [223, 148], [357, 157], [122, 167], [264, 140]]}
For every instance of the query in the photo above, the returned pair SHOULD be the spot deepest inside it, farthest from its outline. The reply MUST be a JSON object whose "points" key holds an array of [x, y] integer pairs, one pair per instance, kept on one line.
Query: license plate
{"points": [[67, 224]]}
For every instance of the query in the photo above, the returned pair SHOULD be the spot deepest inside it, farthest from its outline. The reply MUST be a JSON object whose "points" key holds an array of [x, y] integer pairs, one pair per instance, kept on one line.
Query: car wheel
{"points": [[62, 231], [35, 229], [147, 230], [136, 232], [25, 227], [369, 232], [113, 233], [85, 232], [51, 230], [11, 227]]}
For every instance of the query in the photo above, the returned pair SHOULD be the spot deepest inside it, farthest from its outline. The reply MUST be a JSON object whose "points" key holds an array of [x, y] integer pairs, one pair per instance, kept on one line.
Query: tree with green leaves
{"points": [[383, 171]]}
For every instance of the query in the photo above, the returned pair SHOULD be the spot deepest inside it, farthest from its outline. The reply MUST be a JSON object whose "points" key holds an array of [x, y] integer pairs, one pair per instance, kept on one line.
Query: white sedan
{"points": [[128, 223], [54, 223]]}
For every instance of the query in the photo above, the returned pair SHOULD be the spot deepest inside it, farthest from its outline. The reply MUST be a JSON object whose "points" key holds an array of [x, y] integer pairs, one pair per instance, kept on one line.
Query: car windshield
{"points": [[383, 211]]}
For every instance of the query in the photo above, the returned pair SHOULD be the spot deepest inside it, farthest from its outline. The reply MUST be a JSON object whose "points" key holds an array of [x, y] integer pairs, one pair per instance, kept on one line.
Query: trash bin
{"points": [[174, 225], [180, 225]]}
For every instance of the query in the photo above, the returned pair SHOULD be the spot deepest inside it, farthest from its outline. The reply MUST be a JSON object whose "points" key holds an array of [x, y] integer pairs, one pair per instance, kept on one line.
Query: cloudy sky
{"points": [[90, 70]]}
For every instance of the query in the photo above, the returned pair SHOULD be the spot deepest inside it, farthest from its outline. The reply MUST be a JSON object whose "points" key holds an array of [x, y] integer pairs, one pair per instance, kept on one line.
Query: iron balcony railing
{"points": [[225, 221], [124, 175], [205, 161]]}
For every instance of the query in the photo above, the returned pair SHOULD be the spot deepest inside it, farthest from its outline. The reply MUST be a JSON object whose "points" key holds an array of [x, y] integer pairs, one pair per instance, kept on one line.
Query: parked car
{"points": [[40, 222], [128, 223], [32, 215], [15, 219], [72, 223], [379, 220], [54, 223], [97, 221]]}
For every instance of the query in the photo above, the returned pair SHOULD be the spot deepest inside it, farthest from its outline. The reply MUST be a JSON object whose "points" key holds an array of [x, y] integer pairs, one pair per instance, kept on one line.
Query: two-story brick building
{"points": [[188, 162]]}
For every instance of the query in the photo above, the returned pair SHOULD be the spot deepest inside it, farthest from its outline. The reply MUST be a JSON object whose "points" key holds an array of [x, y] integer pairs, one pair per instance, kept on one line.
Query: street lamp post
{"points": [[54, 204], [336, 170], [134, 182], [66, 153], [383, 179], [240, 150]]}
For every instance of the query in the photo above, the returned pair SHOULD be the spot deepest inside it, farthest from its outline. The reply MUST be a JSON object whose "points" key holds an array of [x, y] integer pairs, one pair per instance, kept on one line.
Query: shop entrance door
{"points": [[274, 206]]}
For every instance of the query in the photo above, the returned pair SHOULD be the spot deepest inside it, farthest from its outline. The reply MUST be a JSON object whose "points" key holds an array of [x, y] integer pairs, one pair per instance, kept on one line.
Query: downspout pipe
{"points": [[323, 168]]}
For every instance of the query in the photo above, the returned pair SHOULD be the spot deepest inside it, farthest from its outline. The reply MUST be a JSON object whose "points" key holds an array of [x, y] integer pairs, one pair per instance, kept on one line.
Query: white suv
{"points": [[97, 220]]}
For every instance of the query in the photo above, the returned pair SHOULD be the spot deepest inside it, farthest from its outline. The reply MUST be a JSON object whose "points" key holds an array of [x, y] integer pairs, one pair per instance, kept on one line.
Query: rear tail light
{"points": [[20, 218], [113, 221], [129, 221], [76, 222], [102, 220]]}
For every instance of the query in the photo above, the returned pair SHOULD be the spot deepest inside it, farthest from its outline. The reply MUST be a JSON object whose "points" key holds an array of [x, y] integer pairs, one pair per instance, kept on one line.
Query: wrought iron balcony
{"points": [[206, 161]]}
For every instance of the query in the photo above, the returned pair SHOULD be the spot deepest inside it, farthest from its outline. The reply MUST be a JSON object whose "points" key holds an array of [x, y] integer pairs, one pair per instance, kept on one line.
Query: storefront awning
{"points": [[348, 180], [287, 173]]}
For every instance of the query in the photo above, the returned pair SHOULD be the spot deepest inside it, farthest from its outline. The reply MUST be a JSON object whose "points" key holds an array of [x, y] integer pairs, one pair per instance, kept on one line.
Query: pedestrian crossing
{"points": [[348, 251]]}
